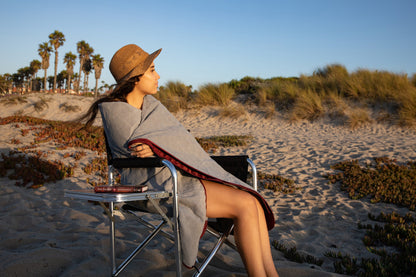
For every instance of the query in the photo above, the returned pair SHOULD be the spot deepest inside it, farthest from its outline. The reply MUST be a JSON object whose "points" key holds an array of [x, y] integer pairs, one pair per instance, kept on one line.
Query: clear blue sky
{"points": [[219, 40]]}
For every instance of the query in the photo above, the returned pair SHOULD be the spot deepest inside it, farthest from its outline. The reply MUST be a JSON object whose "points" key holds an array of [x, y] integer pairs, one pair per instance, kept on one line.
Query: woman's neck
{"points": [[135, 100]]}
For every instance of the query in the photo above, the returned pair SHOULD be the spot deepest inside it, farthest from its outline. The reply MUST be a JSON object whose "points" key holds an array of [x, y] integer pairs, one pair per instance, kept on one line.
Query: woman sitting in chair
{"points": [[137, 124]]}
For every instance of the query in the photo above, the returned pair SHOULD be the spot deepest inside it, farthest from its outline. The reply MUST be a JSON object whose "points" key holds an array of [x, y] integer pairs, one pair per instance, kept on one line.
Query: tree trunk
{"points": [[96, 88], [85, 82], [44, 82], [79, 77], [56, 70]]}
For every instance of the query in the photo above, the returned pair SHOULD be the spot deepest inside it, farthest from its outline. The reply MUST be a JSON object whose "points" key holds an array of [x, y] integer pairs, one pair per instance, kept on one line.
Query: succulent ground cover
{"points": [[388, 181], [72, 135]]}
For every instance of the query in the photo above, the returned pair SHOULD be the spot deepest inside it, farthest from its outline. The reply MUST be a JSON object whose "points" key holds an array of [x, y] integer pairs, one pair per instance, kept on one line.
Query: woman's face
{"points": [[148, 83]]}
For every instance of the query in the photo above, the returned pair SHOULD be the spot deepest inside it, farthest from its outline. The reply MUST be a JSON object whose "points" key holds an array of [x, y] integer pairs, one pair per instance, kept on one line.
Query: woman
{"points": [[137, 124]]}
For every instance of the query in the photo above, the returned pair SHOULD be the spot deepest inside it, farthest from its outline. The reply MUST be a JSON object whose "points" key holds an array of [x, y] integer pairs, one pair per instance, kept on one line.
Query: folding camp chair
{"points": [[220, 228]]}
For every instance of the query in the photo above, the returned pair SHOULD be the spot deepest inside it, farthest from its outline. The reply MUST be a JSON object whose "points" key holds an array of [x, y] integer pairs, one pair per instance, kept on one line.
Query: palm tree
{"points": [[56, 39], [69, 60], [44, 52], [86, 69], [84, 51], [97, 64], [35, 65]]}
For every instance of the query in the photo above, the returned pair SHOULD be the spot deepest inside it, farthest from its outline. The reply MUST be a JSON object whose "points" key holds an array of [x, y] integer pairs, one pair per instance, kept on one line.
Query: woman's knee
{"points": [[247, 205]]}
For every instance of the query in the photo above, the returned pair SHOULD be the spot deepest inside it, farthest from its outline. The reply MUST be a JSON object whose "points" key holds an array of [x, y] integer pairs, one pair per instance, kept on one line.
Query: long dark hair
{"points": [[118, 94]]}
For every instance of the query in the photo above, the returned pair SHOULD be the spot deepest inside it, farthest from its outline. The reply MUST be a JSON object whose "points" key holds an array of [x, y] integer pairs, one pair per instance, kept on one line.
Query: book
{"points": [[121, 189]]}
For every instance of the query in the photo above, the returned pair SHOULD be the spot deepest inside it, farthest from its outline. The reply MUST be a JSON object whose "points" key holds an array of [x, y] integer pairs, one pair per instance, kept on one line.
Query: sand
{"points": [[45, 234]]}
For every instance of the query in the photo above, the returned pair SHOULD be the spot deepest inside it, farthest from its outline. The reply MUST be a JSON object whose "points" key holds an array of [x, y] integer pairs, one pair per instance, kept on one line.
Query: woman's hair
{"points": [[118, 94]]}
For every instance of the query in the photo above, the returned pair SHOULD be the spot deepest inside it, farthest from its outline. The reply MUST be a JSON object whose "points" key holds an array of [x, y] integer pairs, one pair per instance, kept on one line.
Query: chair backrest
{"points": [[108, 150], [236, 165]]}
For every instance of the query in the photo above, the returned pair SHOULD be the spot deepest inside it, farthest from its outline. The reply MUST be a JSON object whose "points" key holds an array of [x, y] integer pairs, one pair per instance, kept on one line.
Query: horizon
{"points": [[219, 41]]}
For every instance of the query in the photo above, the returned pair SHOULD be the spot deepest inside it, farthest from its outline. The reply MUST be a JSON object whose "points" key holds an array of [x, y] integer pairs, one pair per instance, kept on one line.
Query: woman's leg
{"points": [[265, 242], [249, 225]]}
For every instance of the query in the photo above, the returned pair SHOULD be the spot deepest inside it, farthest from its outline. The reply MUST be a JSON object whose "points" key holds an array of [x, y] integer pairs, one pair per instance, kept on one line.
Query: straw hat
{"points": [[130, 61]]}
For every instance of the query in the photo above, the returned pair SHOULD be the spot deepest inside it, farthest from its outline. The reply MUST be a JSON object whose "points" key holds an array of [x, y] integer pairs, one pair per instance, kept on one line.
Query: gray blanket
{"points": [[156, 126]]}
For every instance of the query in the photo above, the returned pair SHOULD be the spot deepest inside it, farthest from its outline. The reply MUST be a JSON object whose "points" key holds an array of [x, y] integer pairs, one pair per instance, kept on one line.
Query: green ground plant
{"points": [[388, 181], [384, 180], [211, 144], [292, 254], [277, 183], [32, 171]]}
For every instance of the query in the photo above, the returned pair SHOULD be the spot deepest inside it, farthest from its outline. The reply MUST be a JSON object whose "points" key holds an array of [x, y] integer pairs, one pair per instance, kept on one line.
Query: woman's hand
{"points": [[141, 150]]}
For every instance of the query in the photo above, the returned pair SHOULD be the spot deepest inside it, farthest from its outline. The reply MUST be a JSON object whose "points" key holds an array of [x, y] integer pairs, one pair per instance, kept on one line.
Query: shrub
{"points": [[13, 100], [215, 94], [233, 111], [175, 95], [69, 108], [357, 118], [41, 104], [308, 105]]}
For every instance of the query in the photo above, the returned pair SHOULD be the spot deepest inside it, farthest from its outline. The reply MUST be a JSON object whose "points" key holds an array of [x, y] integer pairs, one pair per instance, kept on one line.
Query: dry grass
{"points": [[357, 118], [234, 111], [41, 104], [13, 100], [175, 95], [308, 106], [69, 108], [215, 94]]}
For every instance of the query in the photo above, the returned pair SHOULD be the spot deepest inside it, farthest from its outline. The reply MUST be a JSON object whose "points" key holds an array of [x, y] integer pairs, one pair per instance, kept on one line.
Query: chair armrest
{"points": [[136, 162]]}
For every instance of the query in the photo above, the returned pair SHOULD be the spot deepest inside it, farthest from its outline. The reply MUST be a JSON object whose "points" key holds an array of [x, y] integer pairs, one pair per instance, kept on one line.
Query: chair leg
{"points": [[178, 254], [112, 238], [138, 249], [223, 238]]}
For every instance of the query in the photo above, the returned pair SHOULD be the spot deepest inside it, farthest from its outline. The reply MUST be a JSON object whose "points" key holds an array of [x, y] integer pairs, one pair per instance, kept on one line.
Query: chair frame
{"points": [[112, 198]]}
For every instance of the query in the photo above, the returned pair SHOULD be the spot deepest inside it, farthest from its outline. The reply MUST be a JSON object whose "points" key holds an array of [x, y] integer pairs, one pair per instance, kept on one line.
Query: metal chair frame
{"points": [[112, 198]]}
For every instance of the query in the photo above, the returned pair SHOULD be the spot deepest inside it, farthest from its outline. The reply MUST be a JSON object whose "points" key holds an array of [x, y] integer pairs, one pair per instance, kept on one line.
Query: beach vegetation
{"points": [[175, 95], [292, 254], [215, 94], [384, 180], [32, 171], [335, 93], [307, 105], [277, 183], [41, 104], [69, 108], [358, 117], [394, 232], [234, 111], [211, 144], [13, 100], [394, 242]]}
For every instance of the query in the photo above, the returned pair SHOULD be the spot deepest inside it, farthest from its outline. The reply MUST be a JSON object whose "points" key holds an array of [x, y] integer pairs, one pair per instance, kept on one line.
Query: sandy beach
{"points": [[45, 234]]}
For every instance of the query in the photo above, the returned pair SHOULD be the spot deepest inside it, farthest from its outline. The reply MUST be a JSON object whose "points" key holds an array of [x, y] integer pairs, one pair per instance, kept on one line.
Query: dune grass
{"points": [[69, 108], [13, 100], [335, 93], [175, 95], [215, 94]]}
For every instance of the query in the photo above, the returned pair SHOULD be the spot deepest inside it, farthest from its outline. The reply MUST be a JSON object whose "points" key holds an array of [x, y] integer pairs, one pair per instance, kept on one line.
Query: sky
{"points": [[216, 41]]}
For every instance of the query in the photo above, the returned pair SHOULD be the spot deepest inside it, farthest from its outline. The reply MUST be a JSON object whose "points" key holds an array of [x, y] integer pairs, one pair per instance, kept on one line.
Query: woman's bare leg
{"points": [[265, 242], [249, 225]]}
